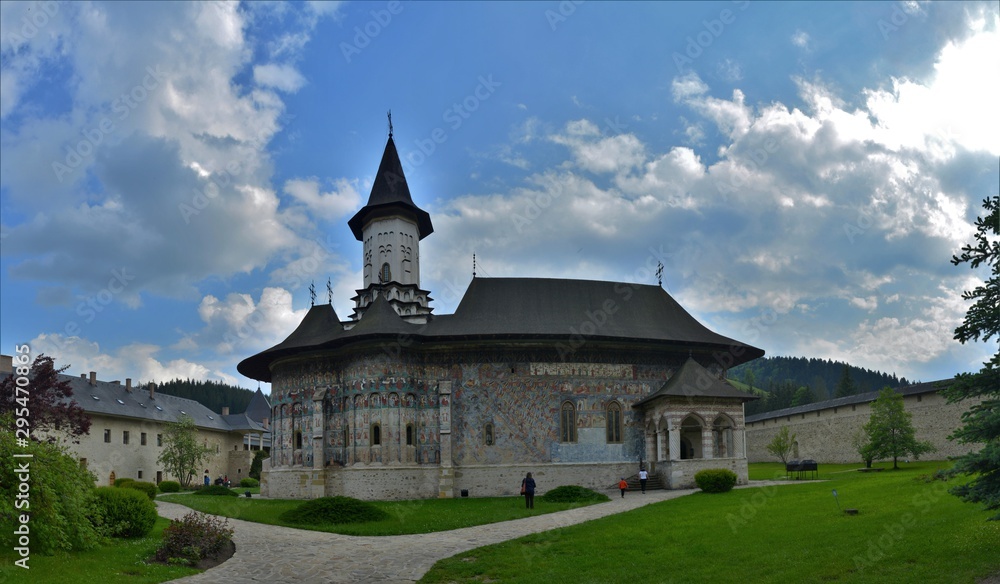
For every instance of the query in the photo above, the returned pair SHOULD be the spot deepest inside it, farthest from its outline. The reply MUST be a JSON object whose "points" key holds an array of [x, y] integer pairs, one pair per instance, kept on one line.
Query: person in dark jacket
{"points": [[528, 488]]}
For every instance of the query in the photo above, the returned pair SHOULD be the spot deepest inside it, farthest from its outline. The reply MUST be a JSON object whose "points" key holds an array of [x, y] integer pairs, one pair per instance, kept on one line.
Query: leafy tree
{"points": [[48, 400], [845, 386], [890, 430], [864, 447], [981, 423], [782, 444], [60, 501], [182, 453], [803, 396]]}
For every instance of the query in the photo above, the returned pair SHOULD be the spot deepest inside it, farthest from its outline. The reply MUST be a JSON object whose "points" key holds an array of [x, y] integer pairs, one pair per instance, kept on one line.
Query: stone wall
{"points": [[825, 435]]}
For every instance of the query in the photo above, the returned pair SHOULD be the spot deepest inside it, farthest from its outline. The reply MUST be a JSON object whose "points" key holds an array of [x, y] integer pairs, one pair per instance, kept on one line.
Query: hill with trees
{"points": [[211, 394], [785, 382]]}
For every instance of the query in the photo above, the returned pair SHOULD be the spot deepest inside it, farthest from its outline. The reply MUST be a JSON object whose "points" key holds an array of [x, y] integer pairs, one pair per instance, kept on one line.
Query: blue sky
{"points": [[173, 176]]}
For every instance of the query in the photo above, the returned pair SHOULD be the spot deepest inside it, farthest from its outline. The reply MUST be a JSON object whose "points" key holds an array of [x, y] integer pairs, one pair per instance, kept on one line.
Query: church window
{"points": [[409, 434], [346, 436], [488, 435], [614, 422], [298, 439], [386, 274], [376, 435], [567, 423]]}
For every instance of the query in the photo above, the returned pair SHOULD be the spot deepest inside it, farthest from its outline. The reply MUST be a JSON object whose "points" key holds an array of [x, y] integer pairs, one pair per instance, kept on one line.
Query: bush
{"points": [[124, 512], [193, 538], [216, 490], [715, 480], [333, 510], [258, 464], [573, 494], [123, 482], [62, 496], [169, 487], [249, 483], [148, 488]]}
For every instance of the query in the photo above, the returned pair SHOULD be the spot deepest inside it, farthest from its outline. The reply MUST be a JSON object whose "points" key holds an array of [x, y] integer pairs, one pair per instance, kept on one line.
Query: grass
{"points": [[907, 530], [120, 561], [405, 517]]}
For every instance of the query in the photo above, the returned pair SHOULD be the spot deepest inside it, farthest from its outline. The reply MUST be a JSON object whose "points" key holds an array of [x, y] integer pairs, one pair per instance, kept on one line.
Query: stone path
{"points": [[277, 555]]}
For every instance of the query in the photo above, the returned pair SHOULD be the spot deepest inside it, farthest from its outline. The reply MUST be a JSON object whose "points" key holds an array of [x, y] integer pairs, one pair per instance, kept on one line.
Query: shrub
{"points": [[123, 482], [62, 496], [715, 480], [258, 464], [148, 488], [194, 537], [333, 510], [124, 512], [249, 483], [216, 490], [169, 487], [573, 494]]}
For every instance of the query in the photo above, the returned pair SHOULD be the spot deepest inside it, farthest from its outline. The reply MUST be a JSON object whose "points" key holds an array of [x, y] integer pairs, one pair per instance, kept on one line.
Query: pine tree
{"points": [[982, 321], [845, 386]]}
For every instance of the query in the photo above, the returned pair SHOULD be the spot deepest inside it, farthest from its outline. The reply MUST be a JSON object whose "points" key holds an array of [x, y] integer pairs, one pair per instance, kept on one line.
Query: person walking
{"points": [[643, 475], [528, 490], [623, 485]]}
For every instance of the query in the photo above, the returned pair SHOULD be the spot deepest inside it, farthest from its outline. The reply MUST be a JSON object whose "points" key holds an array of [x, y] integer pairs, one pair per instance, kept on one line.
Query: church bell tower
{"points": [[390, 228]]}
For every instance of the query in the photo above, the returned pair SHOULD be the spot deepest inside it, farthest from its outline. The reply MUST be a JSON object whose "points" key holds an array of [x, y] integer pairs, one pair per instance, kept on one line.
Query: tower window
{"points": [[386, 274], [567, 423], [614, 423], [488, 435], [409, 434], [376, 435]]}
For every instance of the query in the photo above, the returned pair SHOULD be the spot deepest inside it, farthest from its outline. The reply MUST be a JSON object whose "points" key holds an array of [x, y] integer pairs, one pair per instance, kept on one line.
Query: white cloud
{"points": [[344, 199], [282, 77]]}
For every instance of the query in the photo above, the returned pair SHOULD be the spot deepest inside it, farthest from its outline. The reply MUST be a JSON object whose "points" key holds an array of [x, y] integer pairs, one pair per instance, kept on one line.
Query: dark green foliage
{"points": [[715, 480], [334, 510], [211, 394], [194, 537], [249, 483], [148, 488], [780, 381], [182, 450], [124, 512], [123, 482], [216, 490], [53, 408], [257, 464], [169, 487], [846, 386], [981, 423], [61, 496], [573, 494], [890, 432]]}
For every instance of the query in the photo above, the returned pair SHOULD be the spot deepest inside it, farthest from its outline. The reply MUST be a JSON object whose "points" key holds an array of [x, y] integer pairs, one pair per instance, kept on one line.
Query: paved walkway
{"points": [[274, 554]]}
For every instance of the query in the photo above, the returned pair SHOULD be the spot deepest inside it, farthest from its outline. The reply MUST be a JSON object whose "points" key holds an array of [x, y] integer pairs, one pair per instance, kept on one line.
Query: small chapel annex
{"points": [[576, 381]]}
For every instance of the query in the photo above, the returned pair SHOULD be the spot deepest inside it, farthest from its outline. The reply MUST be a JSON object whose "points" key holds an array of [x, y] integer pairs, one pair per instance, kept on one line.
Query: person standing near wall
{"points": [[528, 489], [623, 485], [643, 476]]}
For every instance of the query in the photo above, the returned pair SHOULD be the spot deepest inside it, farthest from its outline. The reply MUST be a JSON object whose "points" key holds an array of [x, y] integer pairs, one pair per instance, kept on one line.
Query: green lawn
{"points": [[121, 561], [907, 530], [407, 517]]}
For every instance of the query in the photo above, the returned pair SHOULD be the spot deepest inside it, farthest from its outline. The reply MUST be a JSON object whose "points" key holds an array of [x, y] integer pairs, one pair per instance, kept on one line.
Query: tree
{"points": [[981, 423], [845, 386], [258, 464], [864, 447], [890, 430], [782, 444], [48, 400], [182, 454], [803, 396]]}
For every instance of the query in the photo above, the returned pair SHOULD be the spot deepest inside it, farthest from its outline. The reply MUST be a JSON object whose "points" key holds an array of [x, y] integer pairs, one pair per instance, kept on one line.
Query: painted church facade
{"points": [[578, 382]]}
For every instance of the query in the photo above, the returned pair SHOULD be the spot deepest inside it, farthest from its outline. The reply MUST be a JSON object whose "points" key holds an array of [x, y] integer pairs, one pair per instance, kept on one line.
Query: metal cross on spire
{"points": [[473, 265], [329, 292], [659, 274], [312, 293], [390, 123]]}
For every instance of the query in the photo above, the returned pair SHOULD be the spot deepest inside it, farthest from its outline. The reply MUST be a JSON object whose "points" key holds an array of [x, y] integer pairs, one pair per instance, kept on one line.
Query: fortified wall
{"points": [[824, 430]]}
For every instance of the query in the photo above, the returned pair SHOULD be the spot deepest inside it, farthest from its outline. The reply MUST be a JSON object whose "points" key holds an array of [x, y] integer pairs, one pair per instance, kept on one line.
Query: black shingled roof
{"points": [[693, 380], [520, 309], [390, 195]]}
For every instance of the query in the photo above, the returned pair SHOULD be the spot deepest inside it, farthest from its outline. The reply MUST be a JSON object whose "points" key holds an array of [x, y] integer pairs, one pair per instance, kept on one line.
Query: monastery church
{"points": [[396, 402]]}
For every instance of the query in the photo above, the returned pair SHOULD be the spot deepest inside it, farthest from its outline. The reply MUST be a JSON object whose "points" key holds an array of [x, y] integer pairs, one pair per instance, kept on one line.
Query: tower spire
{"points": [[390, 123]]}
